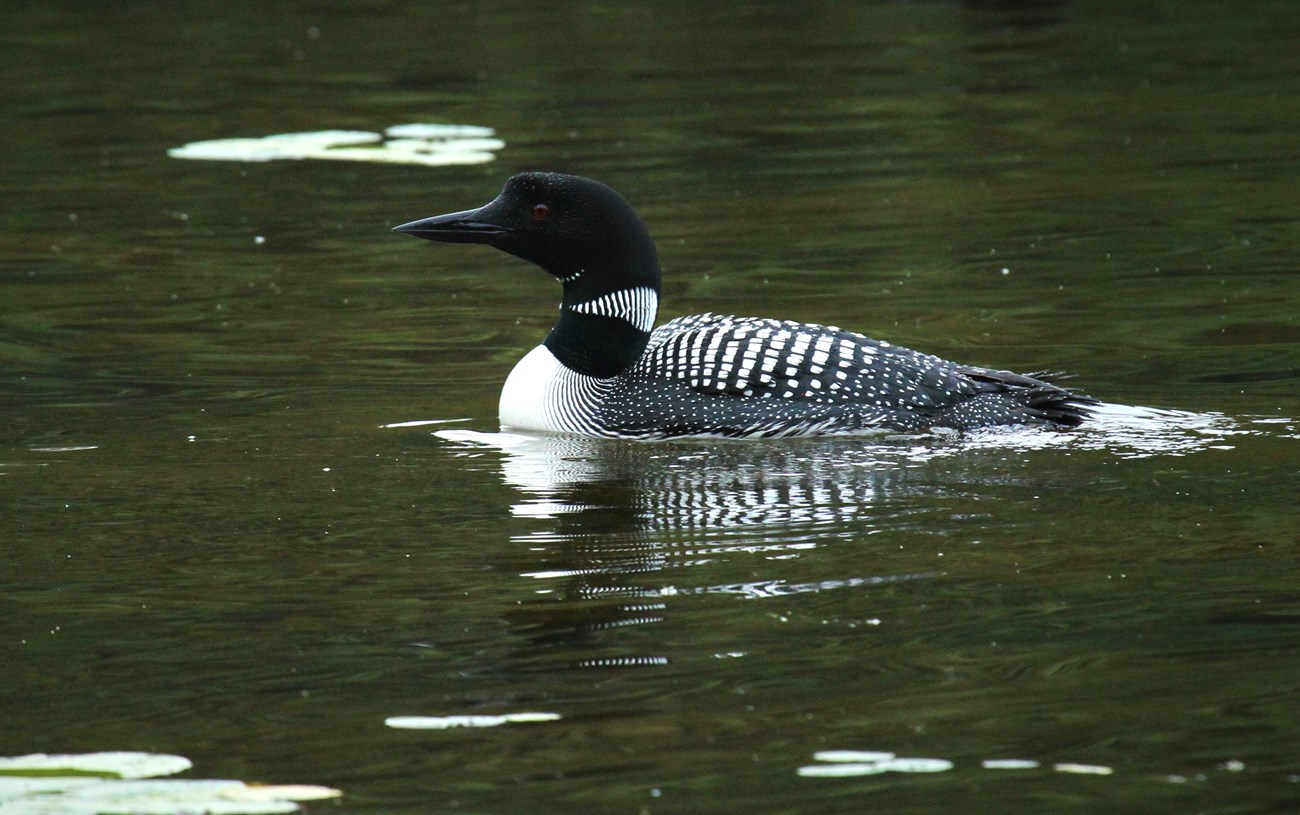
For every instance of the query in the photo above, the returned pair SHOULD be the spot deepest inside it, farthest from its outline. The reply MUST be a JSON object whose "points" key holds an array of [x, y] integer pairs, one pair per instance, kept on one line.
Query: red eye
{"points": [[541, 212]]}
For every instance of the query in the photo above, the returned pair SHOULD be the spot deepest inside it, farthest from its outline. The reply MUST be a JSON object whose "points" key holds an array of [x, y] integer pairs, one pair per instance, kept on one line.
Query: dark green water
{"points": [[213, 547]]}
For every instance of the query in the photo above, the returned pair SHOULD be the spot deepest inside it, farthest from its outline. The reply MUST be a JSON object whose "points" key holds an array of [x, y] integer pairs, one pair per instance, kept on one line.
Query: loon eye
{"points": [[541, 212]]}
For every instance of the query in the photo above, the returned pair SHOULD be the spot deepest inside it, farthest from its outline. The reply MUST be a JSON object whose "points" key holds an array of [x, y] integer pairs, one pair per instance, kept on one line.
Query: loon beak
{"points": [[454, 227]]}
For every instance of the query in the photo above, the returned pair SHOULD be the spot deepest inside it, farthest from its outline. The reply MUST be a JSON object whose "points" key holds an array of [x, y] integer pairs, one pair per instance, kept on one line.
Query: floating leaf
{"points": [[917, 765], [1083, 769], [428, 144], [117, 764], [844, 770], [852, 755], [58, 785], [289, 792], [844, 763], [428, 130], [1009, 764], [446, 722]]}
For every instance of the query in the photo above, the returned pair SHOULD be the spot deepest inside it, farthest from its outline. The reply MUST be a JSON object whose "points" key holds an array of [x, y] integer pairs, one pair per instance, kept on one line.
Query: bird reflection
{"points": [[717, 488], [702, 485], [624, 529]]}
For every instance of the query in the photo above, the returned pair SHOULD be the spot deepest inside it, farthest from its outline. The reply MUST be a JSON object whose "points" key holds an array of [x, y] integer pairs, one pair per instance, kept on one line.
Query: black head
{"points": [[573, 227]]}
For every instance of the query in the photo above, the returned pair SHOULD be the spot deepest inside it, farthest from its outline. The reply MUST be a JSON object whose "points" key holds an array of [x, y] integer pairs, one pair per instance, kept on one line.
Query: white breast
{"points": [[542, 394]]}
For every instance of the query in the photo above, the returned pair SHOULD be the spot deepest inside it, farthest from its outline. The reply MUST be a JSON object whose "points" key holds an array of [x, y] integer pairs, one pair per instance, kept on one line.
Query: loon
{"points": [[605, 370]]}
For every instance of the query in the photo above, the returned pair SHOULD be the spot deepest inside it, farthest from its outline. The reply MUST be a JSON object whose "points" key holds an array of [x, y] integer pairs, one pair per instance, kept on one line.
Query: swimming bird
{"points": [[605, 370]]}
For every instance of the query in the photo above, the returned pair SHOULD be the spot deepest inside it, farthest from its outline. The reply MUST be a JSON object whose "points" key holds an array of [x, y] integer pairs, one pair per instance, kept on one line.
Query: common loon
{"points": [[605, 370]]}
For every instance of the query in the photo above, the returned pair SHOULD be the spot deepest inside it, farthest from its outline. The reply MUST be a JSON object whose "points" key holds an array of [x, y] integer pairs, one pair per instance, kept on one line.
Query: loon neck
{"points": [[611, 297], [602, 334]]}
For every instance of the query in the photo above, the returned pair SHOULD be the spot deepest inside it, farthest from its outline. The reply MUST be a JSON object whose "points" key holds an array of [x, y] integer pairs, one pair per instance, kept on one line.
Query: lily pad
{"points": [[1083, 769], [447, 722], [840, 770], [114, 764], [428, 144], [1009, 764], [116, 783], [850, 756]]}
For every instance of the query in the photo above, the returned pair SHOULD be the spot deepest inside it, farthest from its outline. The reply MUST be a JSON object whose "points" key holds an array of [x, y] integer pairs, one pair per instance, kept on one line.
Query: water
{"points": [[229, 536]]}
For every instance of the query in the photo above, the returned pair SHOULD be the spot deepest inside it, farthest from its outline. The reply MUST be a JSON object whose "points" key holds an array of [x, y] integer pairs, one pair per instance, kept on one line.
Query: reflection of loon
{"points": [[615, 535], [635, 509], [747, 491], [619, 536], [824, 478], [605, 371]]}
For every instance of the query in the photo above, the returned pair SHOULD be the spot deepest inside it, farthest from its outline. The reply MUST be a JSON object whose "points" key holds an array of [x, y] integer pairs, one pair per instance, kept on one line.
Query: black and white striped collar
{"points": [[637, 306]]}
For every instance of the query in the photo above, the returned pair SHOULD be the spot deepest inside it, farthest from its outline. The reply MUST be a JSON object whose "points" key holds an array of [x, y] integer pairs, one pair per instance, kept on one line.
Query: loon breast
{"points": [[542, 394]]}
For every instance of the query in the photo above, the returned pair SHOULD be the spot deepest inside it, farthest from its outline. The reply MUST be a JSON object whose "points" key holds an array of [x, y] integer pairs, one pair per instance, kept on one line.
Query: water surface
{"points": [[225, 539]]}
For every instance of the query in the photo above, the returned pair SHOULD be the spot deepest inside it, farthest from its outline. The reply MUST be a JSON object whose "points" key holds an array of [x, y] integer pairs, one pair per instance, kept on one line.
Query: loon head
{"points": [[579, 230], [590, 239]]}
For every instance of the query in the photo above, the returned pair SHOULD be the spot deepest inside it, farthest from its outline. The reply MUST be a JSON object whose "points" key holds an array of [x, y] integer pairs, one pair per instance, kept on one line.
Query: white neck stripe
{"points": [[638, 306]]}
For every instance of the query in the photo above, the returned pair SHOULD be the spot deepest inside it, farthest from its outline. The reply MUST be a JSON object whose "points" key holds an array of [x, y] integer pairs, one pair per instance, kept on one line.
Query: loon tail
{"points": [[1037, 396]]}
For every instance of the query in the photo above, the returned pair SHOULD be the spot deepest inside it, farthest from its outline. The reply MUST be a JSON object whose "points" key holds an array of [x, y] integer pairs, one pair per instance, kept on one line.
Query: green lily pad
{"points": [[122, 783], [429, 144]]}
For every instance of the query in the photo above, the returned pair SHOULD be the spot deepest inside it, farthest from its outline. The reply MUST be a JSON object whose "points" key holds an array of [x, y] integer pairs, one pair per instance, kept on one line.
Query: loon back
{"points": [[604, 370]]}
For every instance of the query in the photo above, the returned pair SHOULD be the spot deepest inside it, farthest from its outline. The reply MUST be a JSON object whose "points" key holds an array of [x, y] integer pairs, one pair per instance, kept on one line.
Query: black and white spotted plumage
{"points": [[603, 371], [721, 375]]}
